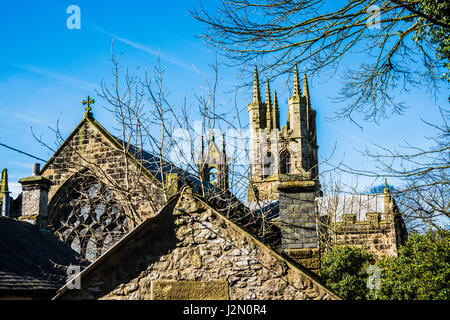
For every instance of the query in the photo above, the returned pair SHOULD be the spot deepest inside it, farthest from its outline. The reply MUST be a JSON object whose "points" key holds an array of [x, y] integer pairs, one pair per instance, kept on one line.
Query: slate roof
{"points": [[32, 259], [358, 204], [271, 208]]}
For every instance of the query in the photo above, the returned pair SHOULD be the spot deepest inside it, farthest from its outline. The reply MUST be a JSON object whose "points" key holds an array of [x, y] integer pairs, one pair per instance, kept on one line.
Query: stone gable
{"points": [[189, 245], [91, 150]]}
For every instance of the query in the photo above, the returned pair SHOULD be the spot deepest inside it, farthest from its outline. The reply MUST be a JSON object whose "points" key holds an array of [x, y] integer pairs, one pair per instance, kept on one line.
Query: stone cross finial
{"points": [[88, 102], [36, 169]]}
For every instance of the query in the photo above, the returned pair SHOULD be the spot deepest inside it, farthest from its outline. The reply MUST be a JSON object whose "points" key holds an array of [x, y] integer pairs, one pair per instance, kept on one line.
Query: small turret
{"points": [[295, 111], [296, 89], [213, 166], [4, 181], [386, 188], [388, 205], [257, 108]]}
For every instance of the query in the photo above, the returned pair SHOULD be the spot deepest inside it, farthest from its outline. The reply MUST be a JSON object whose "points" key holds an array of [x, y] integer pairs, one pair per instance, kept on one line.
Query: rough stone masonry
{"points": [[189, 251]]}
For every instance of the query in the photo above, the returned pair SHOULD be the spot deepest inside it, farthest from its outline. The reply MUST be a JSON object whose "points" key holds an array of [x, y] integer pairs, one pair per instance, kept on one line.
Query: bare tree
{"points": [[393, 36], [157, 148], [331, 204], [425, 174], [423, 191], [404, 43]]}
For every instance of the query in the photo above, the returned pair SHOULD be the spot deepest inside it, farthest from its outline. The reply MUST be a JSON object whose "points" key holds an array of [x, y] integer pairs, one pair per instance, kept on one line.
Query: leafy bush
{"points": [[421, 272], [344, 271]]}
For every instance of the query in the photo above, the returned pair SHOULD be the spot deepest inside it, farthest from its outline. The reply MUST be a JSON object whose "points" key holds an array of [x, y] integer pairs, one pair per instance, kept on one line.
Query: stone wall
{"points": [[192, 247], [265, 189], [376, 235], [381, 233]]}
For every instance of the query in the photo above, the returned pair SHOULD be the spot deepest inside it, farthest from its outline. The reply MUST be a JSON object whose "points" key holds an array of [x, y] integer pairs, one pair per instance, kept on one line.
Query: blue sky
{"points": [[46, 70]]}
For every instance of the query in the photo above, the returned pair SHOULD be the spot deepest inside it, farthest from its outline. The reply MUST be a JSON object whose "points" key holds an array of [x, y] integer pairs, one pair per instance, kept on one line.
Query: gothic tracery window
{"points": [[88, 218]]}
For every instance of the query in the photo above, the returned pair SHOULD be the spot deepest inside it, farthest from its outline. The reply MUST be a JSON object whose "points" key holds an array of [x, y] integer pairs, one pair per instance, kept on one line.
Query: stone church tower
{"points": [[274, 151]]}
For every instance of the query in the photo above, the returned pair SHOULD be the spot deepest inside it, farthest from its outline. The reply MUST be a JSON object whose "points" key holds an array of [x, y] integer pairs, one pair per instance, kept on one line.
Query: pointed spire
{"points": [[386, 188], [224, 154], [4, 195], [256, 93], [306, 89], [276, 112], [4, 182], [388, 201], [296, 90], [268, 98], [268, 102]]}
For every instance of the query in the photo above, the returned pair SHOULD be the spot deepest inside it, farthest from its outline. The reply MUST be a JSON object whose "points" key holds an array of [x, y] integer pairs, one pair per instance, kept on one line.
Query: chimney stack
{"points": [[35, 197], [298, 219], [36, 169]]}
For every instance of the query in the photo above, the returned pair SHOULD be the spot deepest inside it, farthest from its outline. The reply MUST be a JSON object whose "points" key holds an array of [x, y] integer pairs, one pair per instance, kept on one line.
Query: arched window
{"points": [[285, 162], [87, 215], [213, 175]]}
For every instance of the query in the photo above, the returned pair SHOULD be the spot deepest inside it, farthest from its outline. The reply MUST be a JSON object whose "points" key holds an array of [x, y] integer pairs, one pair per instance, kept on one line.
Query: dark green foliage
{"points": [[421, 272], [344, 271]]}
